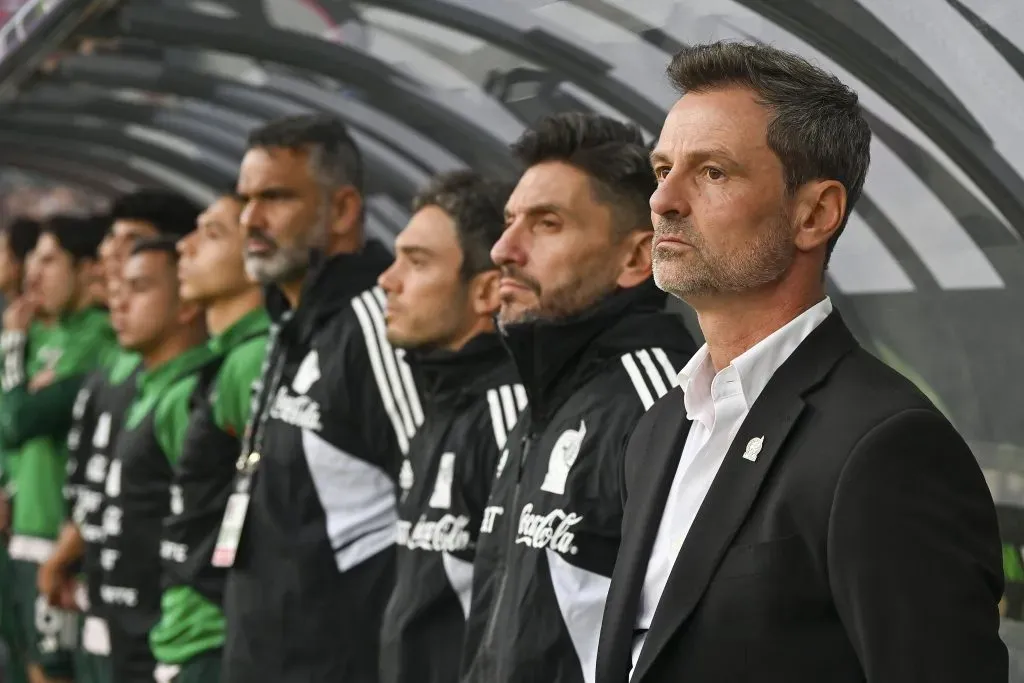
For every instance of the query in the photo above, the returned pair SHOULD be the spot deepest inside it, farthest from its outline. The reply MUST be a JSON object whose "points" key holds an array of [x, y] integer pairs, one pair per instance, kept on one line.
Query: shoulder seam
{"points": [[393, 377], [651, 373], [506, 402]]}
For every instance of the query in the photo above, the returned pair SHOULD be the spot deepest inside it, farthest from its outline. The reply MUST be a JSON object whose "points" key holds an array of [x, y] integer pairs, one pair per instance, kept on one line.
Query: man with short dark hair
{"points": [[584, 324], [309, 531], [442, 294], [796, 510], [189, 638], [54, 335], [16, 241], [99, 409], [168, 335]]}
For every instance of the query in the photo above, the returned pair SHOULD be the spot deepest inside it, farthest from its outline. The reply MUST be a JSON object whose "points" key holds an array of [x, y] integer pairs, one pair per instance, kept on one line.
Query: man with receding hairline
{"points": [[309, 529], [586, 329], [442, 294], [795, 509]]}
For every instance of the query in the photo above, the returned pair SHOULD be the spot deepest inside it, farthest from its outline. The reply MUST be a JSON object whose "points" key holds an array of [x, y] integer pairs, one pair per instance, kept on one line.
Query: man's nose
{"points": [[509, 247], [670, 198]]}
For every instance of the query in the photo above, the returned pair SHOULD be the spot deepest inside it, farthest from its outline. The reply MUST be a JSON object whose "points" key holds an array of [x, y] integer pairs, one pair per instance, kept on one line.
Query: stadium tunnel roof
{"points": [[109, 95]]}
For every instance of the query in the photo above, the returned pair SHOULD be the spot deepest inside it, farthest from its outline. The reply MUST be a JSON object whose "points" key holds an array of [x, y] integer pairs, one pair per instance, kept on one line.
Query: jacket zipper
{"points": [[525, 451]]}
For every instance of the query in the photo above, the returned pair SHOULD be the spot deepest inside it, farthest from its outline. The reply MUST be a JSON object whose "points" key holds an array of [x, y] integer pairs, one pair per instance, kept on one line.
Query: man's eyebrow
{"points": [[658, 157], [415, 249]]}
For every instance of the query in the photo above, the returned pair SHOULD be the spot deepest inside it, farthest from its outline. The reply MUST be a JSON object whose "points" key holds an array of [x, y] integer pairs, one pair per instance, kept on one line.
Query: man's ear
{"points": [[636, 259], [190, 313], [820, 207], [346, 210], [483, 292]]}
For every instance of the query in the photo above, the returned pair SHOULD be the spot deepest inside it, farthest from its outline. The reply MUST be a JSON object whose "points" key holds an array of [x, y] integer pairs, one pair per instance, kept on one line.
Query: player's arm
{"points": [[914, 558], [379, 394], [27, 414], [493, 422]]}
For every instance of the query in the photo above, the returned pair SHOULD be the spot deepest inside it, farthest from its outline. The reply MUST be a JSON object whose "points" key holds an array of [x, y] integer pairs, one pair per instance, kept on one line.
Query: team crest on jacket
{"points": [[563, 456], [501, 463], [300, 410], [441, 498], [307, 374], [406, 478]]}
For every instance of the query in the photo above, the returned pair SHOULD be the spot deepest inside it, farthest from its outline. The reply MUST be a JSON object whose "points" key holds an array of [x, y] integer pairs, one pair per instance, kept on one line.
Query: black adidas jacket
{"points": [[551, 528], [97, 418], [471, 400], [315, 565]]}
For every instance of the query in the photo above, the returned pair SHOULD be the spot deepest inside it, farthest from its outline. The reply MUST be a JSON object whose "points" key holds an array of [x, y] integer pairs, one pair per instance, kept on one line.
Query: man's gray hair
{"points": [[333, 156], [817, 129]]}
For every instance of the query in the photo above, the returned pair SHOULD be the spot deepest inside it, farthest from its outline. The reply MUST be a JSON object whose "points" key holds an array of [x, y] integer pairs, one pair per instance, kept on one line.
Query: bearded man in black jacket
{"points": [[310, 530], [584, 324], [442, 294]]}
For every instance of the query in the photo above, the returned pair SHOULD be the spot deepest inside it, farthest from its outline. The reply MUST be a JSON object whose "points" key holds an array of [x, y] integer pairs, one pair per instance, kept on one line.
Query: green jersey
{"points": [[34, 421], [191, 618]]}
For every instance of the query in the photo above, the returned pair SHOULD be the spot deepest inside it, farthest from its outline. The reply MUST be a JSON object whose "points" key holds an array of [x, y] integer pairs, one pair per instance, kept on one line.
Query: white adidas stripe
{"points": [[406, 372], [650, 380], [390, 362], [377, 365], [505, 402], [497, 418]]}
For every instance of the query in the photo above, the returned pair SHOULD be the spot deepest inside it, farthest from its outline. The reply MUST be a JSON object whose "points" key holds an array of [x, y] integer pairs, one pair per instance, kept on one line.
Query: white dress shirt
{"points": [[716, 404]]}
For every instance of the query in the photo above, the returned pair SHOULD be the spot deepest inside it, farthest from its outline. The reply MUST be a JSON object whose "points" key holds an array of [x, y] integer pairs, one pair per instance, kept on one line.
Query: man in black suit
{"points": [[795, 510]]}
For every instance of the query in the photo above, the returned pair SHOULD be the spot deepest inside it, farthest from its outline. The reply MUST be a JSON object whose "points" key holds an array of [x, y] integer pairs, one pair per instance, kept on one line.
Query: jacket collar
{"points": [[555, 356], [330, 284], [446, 377]]}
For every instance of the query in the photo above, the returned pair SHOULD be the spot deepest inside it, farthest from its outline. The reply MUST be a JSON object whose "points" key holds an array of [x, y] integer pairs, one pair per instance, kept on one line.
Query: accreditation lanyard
{"points": [[271, 374]]}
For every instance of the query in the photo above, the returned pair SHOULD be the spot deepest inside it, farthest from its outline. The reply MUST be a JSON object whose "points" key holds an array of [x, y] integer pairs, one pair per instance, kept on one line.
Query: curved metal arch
{"points": [[226, 141], [386, 170], [67, 173], [228, 98], [487, 20], [88, 154], [120, 140], [387, 89]]}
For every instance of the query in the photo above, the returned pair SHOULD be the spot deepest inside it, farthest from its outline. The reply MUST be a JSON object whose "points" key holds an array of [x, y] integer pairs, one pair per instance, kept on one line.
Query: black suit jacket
{"points": [[860, 545]]}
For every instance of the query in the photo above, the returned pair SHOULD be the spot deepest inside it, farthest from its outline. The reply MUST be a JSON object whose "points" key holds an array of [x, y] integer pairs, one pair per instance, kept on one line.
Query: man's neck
{"points": [[480, 326], [223, 313], [292, 291], [171, 348], [733, 325]]}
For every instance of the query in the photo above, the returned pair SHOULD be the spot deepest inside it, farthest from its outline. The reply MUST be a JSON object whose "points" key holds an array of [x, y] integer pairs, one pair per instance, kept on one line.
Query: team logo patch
{"points": [[441, 498], [307, 374], [563, 456]]}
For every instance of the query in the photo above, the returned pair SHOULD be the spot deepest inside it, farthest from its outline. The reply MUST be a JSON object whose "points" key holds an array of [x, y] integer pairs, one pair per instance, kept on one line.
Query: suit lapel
{"points": [[658, 459], [737, 483]]}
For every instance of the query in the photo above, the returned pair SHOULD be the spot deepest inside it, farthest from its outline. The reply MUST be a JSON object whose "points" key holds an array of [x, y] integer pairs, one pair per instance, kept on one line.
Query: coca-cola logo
{"points": [[301, 411], [553, 530], [449, 534]]}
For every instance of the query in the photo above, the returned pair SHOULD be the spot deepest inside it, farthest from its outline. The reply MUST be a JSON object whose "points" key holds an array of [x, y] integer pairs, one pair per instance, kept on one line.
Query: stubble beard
{"points": [[287, 264], [699, 272], [566, 299]]}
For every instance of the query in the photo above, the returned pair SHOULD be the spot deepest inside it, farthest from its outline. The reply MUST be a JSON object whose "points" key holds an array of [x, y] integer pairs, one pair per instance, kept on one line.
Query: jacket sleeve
{"points": [[379, 400], [491, 424], [914, 557], [27, 415]]}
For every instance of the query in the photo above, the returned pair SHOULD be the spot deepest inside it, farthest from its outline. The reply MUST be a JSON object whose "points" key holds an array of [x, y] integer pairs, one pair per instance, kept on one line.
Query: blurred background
{"points": [[98, 97]]}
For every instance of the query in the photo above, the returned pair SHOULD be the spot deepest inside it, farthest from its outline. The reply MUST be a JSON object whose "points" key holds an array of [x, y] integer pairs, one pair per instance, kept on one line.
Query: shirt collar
{"points": [[155, 380], [755, 367], [252, 324]]}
